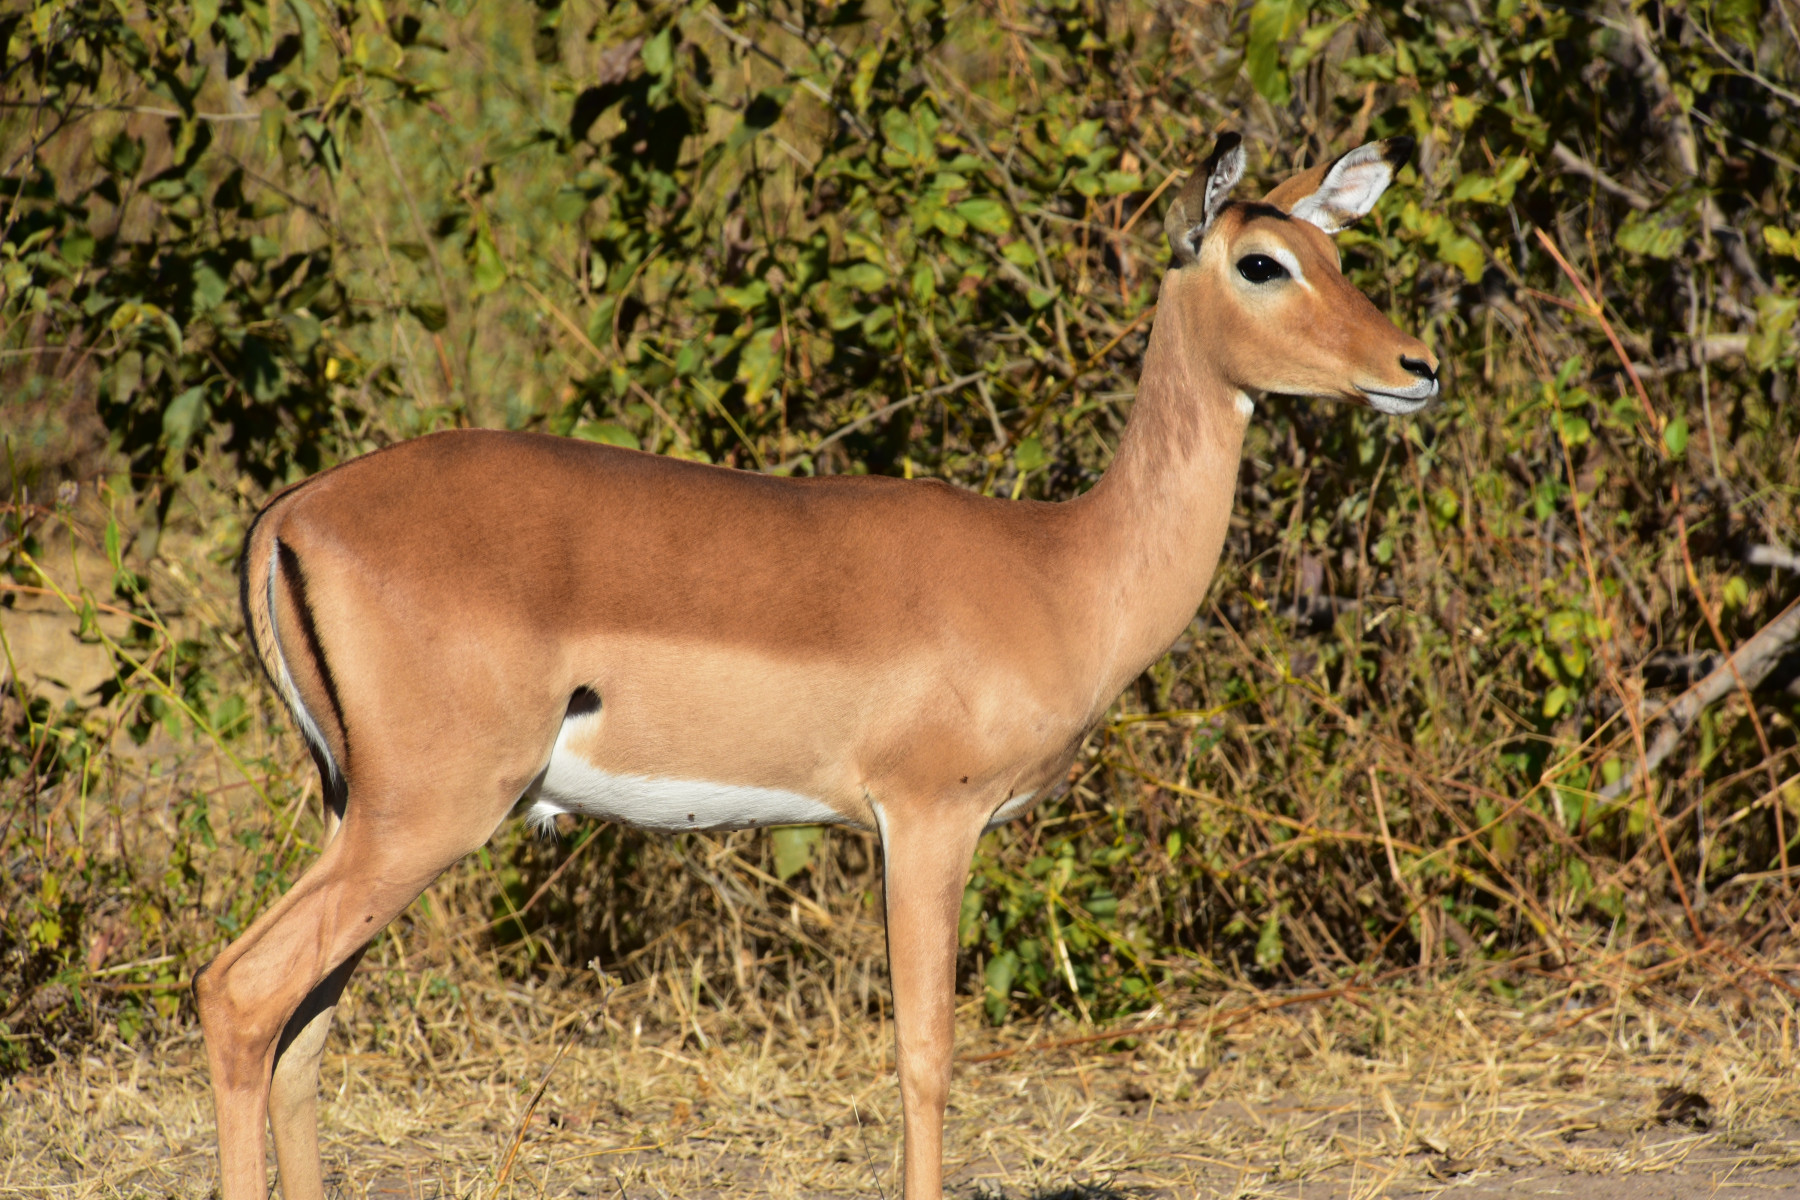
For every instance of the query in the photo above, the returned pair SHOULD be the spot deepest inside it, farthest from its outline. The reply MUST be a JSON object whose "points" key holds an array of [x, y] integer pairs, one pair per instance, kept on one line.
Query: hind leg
{"points": [[294, 1089], [286, 972]]}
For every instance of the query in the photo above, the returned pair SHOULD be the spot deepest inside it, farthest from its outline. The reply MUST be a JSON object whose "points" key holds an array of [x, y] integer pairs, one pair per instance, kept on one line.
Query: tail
{"points": [[272, 594]]}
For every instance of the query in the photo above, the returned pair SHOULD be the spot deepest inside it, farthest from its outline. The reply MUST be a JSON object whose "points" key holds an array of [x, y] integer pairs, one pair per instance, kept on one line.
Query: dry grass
{"points": [[1431, 1087]]}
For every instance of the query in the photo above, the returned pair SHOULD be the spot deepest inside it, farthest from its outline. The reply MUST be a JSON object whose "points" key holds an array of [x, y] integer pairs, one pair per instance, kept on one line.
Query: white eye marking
{"points": [[1285, 257]]}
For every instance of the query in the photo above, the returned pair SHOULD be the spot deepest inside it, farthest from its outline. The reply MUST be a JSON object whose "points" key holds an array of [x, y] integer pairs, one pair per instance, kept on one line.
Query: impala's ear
{"points": [[1333, 195], [1202, 197]]}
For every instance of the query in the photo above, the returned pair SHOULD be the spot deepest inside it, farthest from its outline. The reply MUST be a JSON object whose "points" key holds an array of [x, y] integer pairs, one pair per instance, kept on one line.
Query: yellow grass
{"points": [[1435, 1086]]}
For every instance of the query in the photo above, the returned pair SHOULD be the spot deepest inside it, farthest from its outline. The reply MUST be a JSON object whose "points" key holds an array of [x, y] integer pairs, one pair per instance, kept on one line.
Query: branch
{"points": [[1779, 557], [1752, 663], [1712, 348], [1573, 164]]}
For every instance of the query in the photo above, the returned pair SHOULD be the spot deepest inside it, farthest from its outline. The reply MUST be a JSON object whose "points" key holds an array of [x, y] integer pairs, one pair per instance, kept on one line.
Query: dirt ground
{"points": [[1428, 1092]]}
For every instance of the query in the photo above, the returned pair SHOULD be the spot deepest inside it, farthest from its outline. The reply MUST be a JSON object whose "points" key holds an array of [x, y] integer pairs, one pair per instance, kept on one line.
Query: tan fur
{"points": [[910, 654]]}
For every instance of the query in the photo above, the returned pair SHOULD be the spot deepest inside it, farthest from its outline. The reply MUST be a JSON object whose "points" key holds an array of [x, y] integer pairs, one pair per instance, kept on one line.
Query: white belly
{"points": [[571, 784]]}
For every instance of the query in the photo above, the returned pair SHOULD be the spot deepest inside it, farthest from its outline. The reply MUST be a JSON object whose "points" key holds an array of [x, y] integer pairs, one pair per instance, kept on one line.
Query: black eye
{"points": [[1260, 268]]}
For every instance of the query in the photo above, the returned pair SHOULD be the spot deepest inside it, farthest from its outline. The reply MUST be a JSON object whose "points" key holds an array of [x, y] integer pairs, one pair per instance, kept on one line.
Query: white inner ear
{"points": [[1350, 189], [1224, 177]]}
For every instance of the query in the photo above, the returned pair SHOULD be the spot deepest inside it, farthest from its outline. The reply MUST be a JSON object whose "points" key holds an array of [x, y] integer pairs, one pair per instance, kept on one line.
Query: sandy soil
{"points": [[1428, 1094]]}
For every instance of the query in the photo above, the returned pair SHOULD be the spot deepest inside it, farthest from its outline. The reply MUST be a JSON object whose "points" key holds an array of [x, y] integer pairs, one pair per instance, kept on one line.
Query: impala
{"points": [[475, 619]]}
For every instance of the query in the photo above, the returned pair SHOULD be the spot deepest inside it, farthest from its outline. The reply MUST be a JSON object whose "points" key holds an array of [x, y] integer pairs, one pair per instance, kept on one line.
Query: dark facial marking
{"points": [[1252, 209]]}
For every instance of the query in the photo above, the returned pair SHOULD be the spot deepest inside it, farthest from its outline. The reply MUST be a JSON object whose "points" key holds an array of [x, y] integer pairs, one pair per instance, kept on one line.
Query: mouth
{"points": [[1400, 402]]}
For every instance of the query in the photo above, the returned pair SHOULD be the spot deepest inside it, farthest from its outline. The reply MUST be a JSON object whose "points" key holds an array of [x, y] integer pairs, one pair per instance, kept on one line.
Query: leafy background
{"points": [[242, 241]]}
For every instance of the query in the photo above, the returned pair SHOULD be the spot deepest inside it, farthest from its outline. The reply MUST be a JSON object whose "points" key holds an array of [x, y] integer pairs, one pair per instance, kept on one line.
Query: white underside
{"points": [[571, 784]]}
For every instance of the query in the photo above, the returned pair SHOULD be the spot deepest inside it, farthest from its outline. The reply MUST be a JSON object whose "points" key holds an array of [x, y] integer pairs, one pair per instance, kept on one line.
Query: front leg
{"points": [[926, 850]]}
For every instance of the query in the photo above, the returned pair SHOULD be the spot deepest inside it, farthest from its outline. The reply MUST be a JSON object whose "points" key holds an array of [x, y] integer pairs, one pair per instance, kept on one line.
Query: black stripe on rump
{"points": [[295, 579]]}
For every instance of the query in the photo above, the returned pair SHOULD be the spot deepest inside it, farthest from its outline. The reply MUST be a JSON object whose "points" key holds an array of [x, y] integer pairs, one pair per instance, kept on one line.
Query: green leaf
{"points": [[1079, 141], [309, 32], [77, 247], [989, 216], [1019, 253], [1272, 22], [867, 63], [1464, 254], [1777, 239], [1573, 429], [968, 920], [304, 331], [1002, 969], [1268, 943], [1029, 455], [948, 222], [924, 283], [1494, 189], [759, 366], [1645, 233], [569, 203], [1738, 20], [1675, 436], [658, 55], [210, 288], [606, 433], [487, 271], [258, 370], [1463, 111], [864, 277], [752, 296], [1775, 315], [793, 846], [185, 416]]}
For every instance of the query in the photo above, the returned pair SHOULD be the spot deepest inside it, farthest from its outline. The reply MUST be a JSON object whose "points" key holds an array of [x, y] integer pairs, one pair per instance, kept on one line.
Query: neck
{"points": [[1155, 523]]}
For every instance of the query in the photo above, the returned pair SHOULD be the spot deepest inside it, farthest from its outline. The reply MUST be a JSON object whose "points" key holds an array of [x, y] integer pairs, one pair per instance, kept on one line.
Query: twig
{"points": [[868, 1157], [1598, 312], [512, 1151]]}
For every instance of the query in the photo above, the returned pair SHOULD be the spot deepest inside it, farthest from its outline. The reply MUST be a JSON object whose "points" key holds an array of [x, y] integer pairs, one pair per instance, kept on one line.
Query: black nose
{"points": [[1417, 366]]}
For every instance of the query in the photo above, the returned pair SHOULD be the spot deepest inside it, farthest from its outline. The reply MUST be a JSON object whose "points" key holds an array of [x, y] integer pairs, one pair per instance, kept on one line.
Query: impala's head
{"points": [[1280, 316]]}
